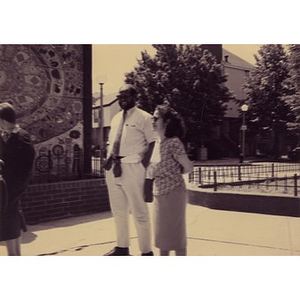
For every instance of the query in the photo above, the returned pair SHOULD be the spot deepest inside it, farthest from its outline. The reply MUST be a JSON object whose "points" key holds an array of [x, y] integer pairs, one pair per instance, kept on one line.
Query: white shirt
{"points": [[137, 134], [155, 158]]}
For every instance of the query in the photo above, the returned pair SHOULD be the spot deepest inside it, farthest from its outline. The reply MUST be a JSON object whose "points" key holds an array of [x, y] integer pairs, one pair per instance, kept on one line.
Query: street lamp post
{"points": [[244, 109], [101, 80]]}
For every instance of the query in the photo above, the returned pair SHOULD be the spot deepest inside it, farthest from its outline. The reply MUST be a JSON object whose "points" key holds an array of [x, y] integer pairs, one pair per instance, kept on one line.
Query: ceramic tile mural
{"points": [[45, 85]]}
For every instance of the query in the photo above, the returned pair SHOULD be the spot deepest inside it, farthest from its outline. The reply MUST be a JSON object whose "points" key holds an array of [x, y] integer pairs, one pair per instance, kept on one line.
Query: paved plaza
{"points": [[210, 233]]}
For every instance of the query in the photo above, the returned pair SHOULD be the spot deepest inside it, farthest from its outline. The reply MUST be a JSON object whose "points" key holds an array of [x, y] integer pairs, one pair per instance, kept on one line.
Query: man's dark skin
{"points": [[127, 100]]}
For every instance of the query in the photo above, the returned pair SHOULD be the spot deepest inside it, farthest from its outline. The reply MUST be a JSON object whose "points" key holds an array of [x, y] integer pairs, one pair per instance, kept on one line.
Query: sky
{"points": [[112, 61], [139, 22]]}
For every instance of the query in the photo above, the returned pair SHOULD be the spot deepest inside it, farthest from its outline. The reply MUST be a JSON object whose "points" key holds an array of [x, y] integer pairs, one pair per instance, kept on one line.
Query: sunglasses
{"points": [[155, 118], [123, 96]]}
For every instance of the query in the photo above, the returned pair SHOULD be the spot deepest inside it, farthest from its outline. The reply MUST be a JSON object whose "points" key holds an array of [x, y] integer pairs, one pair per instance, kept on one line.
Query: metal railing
{"points": [[285, 185], [204, 175], [277, 176], [65, 167], [56, 166]]}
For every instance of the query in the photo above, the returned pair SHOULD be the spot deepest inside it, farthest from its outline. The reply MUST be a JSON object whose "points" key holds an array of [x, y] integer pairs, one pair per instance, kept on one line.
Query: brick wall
{"points": [[49, 201]]}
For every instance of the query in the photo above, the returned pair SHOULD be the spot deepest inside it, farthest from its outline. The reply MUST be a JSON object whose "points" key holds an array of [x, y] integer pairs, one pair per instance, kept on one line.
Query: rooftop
{"points": [[235, 61]]}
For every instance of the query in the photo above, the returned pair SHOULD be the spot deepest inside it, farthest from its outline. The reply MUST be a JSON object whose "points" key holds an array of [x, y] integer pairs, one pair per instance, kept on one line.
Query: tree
{"points": [[189, 78], [294, 58], [266, 88], [294, 99]]}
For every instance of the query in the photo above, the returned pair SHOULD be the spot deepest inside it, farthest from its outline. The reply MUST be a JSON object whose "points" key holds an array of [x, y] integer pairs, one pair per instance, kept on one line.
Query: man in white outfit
{"points": [[132, 127]]}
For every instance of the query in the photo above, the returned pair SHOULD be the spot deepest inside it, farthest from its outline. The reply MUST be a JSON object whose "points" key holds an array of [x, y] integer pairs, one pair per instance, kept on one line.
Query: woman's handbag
{"points": [[148, 190]]}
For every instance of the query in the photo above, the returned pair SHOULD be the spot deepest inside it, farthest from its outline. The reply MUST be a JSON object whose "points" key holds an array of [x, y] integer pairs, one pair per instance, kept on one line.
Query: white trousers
{"points": [[126, 194]]}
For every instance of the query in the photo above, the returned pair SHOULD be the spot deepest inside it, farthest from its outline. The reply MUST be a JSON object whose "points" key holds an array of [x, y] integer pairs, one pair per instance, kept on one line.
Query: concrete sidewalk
{"points": [[210, 232]]}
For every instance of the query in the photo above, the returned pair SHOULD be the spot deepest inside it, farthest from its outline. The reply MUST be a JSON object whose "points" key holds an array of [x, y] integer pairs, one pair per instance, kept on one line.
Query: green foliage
{"points": [[267, 87], [189, 78], [294, 99], [294, 60]]}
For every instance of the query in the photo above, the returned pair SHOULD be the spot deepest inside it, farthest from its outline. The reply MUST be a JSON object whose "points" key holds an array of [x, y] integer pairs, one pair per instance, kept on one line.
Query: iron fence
{"points": [[204, 175], [280, 177], [284, 185], [50, 167], [57, 166]]}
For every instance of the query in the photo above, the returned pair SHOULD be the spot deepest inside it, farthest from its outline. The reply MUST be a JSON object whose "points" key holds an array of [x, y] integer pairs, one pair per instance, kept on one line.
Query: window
{"points": [[96, 115]]}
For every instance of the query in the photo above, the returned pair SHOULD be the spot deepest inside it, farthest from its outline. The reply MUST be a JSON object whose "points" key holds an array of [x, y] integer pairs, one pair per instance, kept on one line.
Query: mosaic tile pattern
{"points": [[45, 85]]}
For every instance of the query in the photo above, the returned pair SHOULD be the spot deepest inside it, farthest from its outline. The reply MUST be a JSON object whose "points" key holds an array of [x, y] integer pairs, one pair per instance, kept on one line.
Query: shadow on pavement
{"points": [[28, 237], [71, 221]]}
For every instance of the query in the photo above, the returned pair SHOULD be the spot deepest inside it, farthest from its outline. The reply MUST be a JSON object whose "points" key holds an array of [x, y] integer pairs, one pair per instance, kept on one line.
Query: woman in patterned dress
{"points": [[169, 161], [17, 154]]}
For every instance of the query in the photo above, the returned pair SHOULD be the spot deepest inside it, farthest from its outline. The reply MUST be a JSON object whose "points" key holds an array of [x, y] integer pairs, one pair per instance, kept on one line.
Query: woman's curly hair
{"points": [[174, 122]]}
